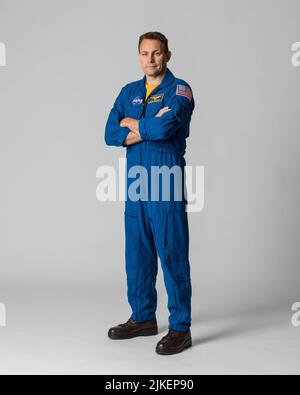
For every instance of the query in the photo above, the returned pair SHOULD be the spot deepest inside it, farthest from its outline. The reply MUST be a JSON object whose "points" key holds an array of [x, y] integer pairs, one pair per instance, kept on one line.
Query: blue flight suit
{"points": [[156, 226]]}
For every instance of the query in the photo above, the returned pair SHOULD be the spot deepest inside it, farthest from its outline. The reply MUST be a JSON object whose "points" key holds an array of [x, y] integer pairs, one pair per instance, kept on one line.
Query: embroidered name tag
{"points": [[156, 98]]}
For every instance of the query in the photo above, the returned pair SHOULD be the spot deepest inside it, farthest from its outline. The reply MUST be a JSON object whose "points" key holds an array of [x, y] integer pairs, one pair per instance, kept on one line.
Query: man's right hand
{"points": [[132, 138]]}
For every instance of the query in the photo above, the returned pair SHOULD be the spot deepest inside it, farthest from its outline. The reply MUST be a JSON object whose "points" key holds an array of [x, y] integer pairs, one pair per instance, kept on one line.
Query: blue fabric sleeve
{"points": [[162, 128], [115, 134]]}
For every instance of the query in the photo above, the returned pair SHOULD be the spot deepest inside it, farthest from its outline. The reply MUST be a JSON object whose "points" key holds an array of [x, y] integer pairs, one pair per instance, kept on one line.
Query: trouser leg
{"points": [[141, 265], [171, 236]]}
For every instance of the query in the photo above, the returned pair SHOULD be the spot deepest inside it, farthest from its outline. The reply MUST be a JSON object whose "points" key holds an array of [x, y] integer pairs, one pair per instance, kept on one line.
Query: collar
{"points": [[167, 80]]}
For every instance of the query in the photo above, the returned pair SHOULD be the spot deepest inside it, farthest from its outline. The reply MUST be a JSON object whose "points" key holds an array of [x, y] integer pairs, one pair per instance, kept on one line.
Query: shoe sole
{"points": [[188, 343], [145, 332]]}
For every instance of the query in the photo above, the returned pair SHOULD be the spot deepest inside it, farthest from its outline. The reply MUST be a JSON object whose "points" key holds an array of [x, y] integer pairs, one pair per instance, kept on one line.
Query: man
{"points": [[151, 118]]}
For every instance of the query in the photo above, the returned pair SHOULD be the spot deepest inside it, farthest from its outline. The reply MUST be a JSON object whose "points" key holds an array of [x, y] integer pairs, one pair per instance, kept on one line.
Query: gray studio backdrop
{"points": [[66, 62]]}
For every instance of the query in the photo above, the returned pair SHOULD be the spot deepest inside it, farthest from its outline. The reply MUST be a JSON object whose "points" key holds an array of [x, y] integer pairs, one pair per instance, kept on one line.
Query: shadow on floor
{"points": [[239, 323]]}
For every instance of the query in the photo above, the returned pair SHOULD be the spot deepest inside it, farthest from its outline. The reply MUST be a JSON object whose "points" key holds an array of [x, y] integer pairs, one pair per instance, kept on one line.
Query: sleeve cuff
{"points": [[123, 135], [142, 129]]}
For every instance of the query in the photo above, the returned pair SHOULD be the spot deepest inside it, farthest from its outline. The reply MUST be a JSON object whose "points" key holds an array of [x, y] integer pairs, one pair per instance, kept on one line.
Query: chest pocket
{"points": [[134, 107], [155, 103]]}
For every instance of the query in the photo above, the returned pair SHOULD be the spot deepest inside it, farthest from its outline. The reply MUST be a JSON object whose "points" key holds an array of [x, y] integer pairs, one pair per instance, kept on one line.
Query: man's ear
{"points": [[169, 55]]}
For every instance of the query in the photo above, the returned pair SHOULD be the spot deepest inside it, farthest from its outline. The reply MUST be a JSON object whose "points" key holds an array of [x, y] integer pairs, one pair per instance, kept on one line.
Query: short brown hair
{"points": [[155, 36]]}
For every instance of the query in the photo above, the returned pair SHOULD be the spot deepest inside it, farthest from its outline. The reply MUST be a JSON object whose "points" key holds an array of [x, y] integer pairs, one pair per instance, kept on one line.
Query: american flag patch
{"points": [[183, 90]]}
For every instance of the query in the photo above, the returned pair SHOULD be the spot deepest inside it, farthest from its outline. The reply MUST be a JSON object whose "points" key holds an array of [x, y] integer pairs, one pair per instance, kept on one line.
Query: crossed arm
{"points": [[133, 124], [134, 136]]}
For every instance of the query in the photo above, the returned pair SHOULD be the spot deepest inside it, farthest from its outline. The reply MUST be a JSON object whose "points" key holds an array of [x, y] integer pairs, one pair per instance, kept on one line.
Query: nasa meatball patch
{"points": [[183, 90], [137, 101]]}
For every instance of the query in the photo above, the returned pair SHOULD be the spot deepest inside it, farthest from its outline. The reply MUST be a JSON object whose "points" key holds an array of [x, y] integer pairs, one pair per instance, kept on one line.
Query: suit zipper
{"points": [[145, 102]]}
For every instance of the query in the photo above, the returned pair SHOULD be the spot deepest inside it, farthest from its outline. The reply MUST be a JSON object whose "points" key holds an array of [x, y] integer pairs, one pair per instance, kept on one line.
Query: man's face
{"points": [[152, 58]]}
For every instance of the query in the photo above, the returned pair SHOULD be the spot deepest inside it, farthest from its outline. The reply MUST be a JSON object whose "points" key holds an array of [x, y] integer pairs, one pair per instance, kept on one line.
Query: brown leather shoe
{"points": [[132, 329], [174, 342]]}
